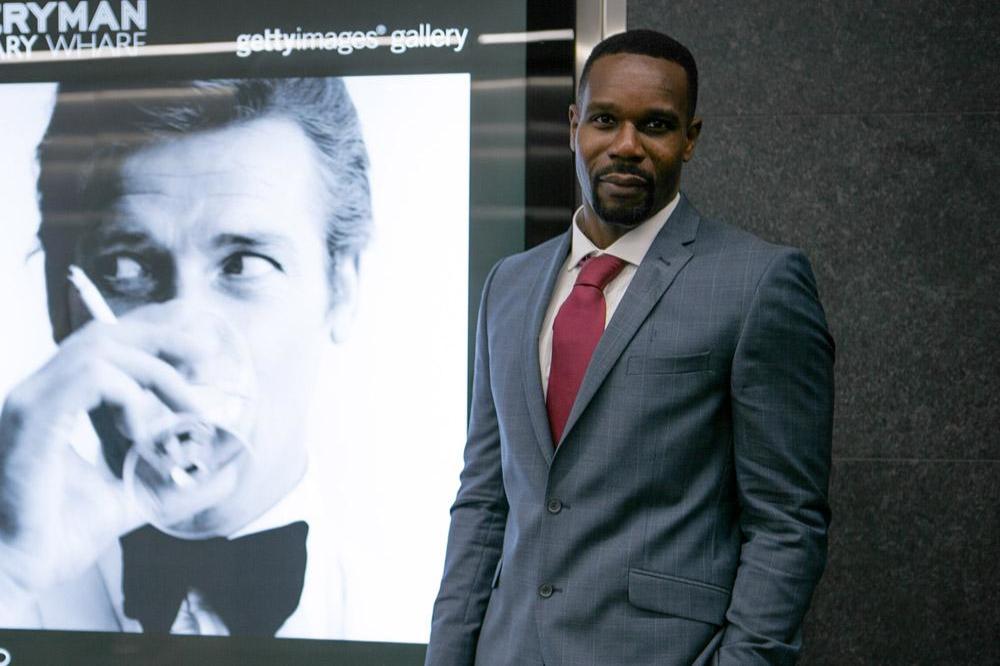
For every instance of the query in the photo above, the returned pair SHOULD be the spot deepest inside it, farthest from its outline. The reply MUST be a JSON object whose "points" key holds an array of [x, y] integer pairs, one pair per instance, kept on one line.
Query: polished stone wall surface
{"points": [[869, 135]]}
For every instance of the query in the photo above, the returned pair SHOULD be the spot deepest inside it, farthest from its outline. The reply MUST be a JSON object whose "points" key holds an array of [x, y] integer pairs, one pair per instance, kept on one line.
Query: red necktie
{"points": [[576, 331]]}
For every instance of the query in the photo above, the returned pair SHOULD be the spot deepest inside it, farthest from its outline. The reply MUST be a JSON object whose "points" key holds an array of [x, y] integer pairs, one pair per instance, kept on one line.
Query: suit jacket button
{"points": [[554, 506], [545, 591]]}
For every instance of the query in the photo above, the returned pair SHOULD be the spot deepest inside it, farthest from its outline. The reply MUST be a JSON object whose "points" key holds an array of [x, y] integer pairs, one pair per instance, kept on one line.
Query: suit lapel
{"points": [[666, 257], [538, 303]]}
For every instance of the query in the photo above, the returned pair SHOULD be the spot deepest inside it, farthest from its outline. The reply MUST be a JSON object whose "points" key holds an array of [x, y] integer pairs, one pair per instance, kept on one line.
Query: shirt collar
{"points": [[631, 247], [300, 503]]}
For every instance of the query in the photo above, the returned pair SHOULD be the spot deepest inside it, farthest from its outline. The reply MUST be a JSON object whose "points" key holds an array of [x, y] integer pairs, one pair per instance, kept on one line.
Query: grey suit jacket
{"points": [[683, 517]]}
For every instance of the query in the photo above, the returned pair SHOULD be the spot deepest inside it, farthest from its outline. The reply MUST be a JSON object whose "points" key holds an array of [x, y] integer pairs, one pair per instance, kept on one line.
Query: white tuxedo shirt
{"points": [[94, 600]]}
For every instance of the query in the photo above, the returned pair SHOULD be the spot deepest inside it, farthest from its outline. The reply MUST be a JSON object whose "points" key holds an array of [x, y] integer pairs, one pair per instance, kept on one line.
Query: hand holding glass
{"points": [[189, 462]]}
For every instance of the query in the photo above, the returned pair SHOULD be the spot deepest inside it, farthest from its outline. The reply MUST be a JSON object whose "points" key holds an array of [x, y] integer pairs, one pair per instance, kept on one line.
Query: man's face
{"points": [[631, 136], [230, 221]]}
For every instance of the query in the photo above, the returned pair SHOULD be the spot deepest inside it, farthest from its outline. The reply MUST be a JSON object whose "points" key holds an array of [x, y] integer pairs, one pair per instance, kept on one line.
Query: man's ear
{"points": [[343, 297], [693, 132], [574, 122]]}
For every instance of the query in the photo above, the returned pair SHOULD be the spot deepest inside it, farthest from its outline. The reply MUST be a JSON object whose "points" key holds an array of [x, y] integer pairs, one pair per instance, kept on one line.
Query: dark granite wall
{"points": [[869, 135]]}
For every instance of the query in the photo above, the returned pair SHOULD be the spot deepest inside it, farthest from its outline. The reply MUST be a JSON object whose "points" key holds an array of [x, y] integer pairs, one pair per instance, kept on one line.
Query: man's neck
{"points": [[598, 231], [603, 234]]}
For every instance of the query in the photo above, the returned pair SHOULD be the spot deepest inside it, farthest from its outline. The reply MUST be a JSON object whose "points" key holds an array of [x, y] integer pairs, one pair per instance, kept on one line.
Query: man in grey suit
{"points": [[657, 495]]}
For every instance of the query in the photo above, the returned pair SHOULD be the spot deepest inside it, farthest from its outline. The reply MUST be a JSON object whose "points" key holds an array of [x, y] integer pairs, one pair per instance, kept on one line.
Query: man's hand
{"points": [[57, 511]]}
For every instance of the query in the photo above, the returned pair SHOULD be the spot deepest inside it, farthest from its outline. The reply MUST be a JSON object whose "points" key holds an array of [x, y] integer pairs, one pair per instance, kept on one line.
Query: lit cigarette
{"points": [[91, 296]]}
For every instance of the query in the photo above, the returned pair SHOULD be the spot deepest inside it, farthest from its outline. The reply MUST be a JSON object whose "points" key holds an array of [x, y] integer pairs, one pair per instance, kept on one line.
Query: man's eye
{"points": [[121, 268], [660, 125], [124, 275], [125, 268], [248, 265], [603, 119]]}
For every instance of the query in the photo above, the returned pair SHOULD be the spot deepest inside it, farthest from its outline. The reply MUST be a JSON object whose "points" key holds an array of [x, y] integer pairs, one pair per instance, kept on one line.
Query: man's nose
{"points": [[626, 144], [191, 286]]}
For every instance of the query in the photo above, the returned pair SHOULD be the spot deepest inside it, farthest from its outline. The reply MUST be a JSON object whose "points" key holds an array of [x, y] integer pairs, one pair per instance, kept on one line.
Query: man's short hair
{"points": [[93, 130], [648, 43]]}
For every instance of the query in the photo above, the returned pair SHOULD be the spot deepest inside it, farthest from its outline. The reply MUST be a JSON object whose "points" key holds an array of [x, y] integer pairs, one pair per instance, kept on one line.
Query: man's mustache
{"points": [[624, 170]]}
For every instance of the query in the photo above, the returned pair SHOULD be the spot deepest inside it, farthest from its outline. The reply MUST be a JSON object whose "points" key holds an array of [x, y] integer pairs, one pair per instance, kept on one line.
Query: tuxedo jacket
{"points": [[683, 517]]}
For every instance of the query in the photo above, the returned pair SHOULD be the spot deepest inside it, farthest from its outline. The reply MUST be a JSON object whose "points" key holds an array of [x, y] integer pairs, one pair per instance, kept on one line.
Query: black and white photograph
{"points": [[234, 370]]}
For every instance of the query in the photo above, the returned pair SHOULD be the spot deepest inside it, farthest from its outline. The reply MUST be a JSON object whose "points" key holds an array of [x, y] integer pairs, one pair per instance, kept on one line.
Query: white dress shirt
{"points": [[631, 248]]}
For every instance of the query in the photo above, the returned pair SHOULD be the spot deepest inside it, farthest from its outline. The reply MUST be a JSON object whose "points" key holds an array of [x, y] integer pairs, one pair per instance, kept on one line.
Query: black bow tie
{"points": [[253, 583]]}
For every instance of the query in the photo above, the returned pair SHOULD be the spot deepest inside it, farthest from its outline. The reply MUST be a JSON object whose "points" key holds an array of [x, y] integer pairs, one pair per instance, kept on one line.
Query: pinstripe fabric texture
{"points": [[683, 517]]}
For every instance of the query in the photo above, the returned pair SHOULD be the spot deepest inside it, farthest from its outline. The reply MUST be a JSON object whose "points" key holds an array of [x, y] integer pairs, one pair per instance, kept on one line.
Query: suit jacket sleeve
{"points": [[478, 518], [782, 408]]}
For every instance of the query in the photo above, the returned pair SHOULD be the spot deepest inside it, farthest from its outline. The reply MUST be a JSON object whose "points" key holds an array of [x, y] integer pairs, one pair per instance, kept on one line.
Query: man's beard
{"points": [[623, 215]]}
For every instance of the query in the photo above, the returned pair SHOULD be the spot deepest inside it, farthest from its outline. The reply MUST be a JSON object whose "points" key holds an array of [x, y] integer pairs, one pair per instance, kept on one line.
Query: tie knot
{"points": [[598, 271]]}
